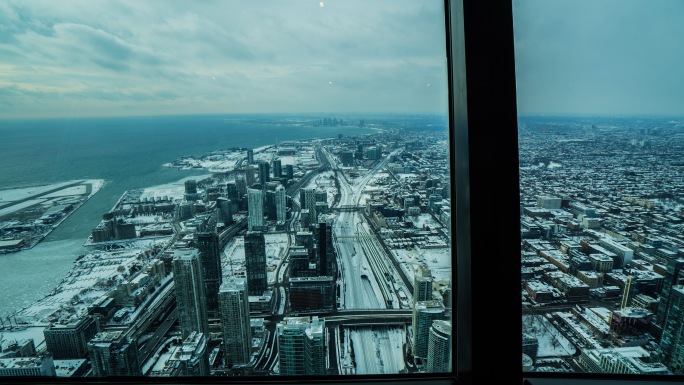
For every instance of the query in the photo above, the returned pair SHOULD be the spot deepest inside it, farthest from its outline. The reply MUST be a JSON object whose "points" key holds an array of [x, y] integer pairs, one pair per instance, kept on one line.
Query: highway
{"points": [[357, 250], [367, 283], [359, 284]]}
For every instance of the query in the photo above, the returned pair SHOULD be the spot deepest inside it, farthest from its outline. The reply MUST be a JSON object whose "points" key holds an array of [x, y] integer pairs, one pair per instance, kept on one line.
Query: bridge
{"points": [[228, 233], [389, 317], [355, 236], [347, 208]]}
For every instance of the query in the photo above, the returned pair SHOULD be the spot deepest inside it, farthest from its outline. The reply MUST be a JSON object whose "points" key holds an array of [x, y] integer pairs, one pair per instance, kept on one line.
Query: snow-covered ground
{"points": [[378, 350], [437, 260], [155, 365], [93, 276], [323, 181], [17, 194], [34, 333], [233, 256], [551, 342], [12, 194], [222, 161], [174, 190]]}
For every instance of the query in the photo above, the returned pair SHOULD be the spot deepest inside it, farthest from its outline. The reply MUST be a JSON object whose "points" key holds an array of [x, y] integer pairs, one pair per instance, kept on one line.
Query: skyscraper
{"points": [[264, 173], [191, 190], [249, 175], [672, 341], [277, 168], [255, 209], [232, 190], [210, 260], [113, 354], [191, 186], [190, 296], [301, 346], [307, 200], [424, 312], [255, 262], [281, 204], [324, 248], [250, 156], [224, 206], [270, 204], [674, 276], [422, 284], [70, 339], [240, 185], [237, 337], [439, 347]]}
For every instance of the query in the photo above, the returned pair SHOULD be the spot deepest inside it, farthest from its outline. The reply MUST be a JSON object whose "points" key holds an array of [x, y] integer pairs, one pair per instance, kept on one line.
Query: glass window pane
{"points": [[601, 210], [225, 188]]}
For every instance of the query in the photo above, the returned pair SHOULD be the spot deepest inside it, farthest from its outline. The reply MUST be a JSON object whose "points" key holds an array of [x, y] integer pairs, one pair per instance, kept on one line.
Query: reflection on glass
{"points": [[224, 188], [601, 179]]}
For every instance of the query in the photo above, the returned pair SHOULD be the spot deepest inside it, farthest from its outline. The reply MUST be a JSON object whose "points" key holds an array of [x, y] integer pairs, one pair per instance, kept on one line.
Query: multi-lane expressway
{"points": [[368, 278]]}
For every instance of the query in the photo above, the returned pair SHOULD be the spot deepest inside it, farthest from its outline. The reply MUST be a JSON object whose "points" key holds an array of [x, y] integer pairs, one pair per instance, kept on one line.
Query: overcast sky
{"points": [[91, 57], [606, 57]]}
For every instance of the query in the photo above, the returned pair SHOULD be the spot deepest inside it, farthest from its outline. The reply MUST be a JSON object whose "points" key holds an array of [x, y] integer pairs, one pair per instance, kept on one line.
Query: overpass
{"points": [[347, 208], [228, 233], [360, 322]]}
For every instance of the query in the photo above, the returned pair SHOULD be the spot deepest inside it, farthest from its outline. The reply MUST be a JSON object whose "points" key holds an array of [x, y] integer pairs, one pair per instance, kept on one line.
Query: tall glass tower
{"points": [[422, 284], [210, 260], [190, 298], [301, 346], [439, 347], [255, 262], [237, 337], [672, 342], [113, 354], [280, 204], [424, 312], [255, 209]]}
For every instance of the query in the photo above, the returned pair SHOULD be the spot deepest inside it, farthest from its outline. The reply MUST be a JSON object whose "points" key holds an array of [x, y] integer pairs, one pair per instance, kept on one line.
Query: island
{"points": [[28, 214]]}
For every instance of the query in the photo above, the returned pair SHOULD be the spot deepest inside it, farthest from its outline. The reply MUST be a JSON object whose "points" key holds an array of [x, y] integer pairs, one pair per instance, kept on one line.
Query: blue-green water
{"points": [[127, 153]]}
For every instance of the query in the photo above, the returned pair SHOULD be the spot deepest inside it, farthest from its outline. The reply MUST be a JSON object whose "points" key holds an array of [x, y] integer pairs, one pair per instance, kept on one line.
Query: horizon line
{"points": [[171, 115]]}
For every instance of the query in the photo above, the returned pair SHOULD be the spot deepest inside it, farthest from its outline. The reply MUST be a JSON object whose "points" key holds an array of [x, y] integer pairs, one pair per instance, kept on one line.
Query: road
{"points": [[357, 250]]}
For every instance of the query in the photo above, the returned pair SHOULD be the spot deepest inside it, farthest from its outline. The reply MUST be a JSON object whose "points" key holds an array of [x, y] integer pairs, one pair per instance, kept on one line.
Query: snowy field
{"points": [[323, 181], [551, 342], [174, 190], [18, 194], [378, 350], [91, 278], [437, 260], [34, 333], [155, 366], [13, 194], [233, 256]]}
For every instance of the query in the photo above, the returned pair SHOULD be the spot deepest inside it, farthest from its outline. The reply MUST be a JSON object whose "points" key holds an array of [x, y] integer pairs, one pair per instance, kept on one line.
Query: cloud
{"points": [[224, 56], [599, 57]]}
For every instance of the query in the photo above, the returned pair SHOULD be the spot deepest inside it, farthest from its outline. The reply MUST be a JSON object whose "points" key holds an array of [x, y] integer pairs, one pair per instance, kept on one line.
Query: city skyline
{"points": [[150, 269]]}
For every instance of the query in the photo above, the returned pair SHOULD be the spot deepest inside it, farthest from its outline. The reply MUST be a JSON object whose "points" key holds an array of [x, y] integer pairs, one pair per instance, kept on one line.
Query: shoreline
{"points": [[25, 313], [95, 185], [29, 317]]}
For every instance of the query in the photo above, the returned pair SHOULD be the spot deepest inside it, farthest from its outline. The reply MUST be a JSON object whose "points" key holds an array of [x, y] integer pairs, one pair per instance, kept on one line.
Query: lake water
{"points": [[127, 153]]}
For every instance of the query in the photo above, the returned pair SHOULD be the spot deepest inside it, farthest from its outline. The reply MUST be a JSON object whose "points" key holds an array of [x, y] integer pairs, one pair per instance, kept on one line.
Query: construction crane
{"points": [[625, 292]]}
